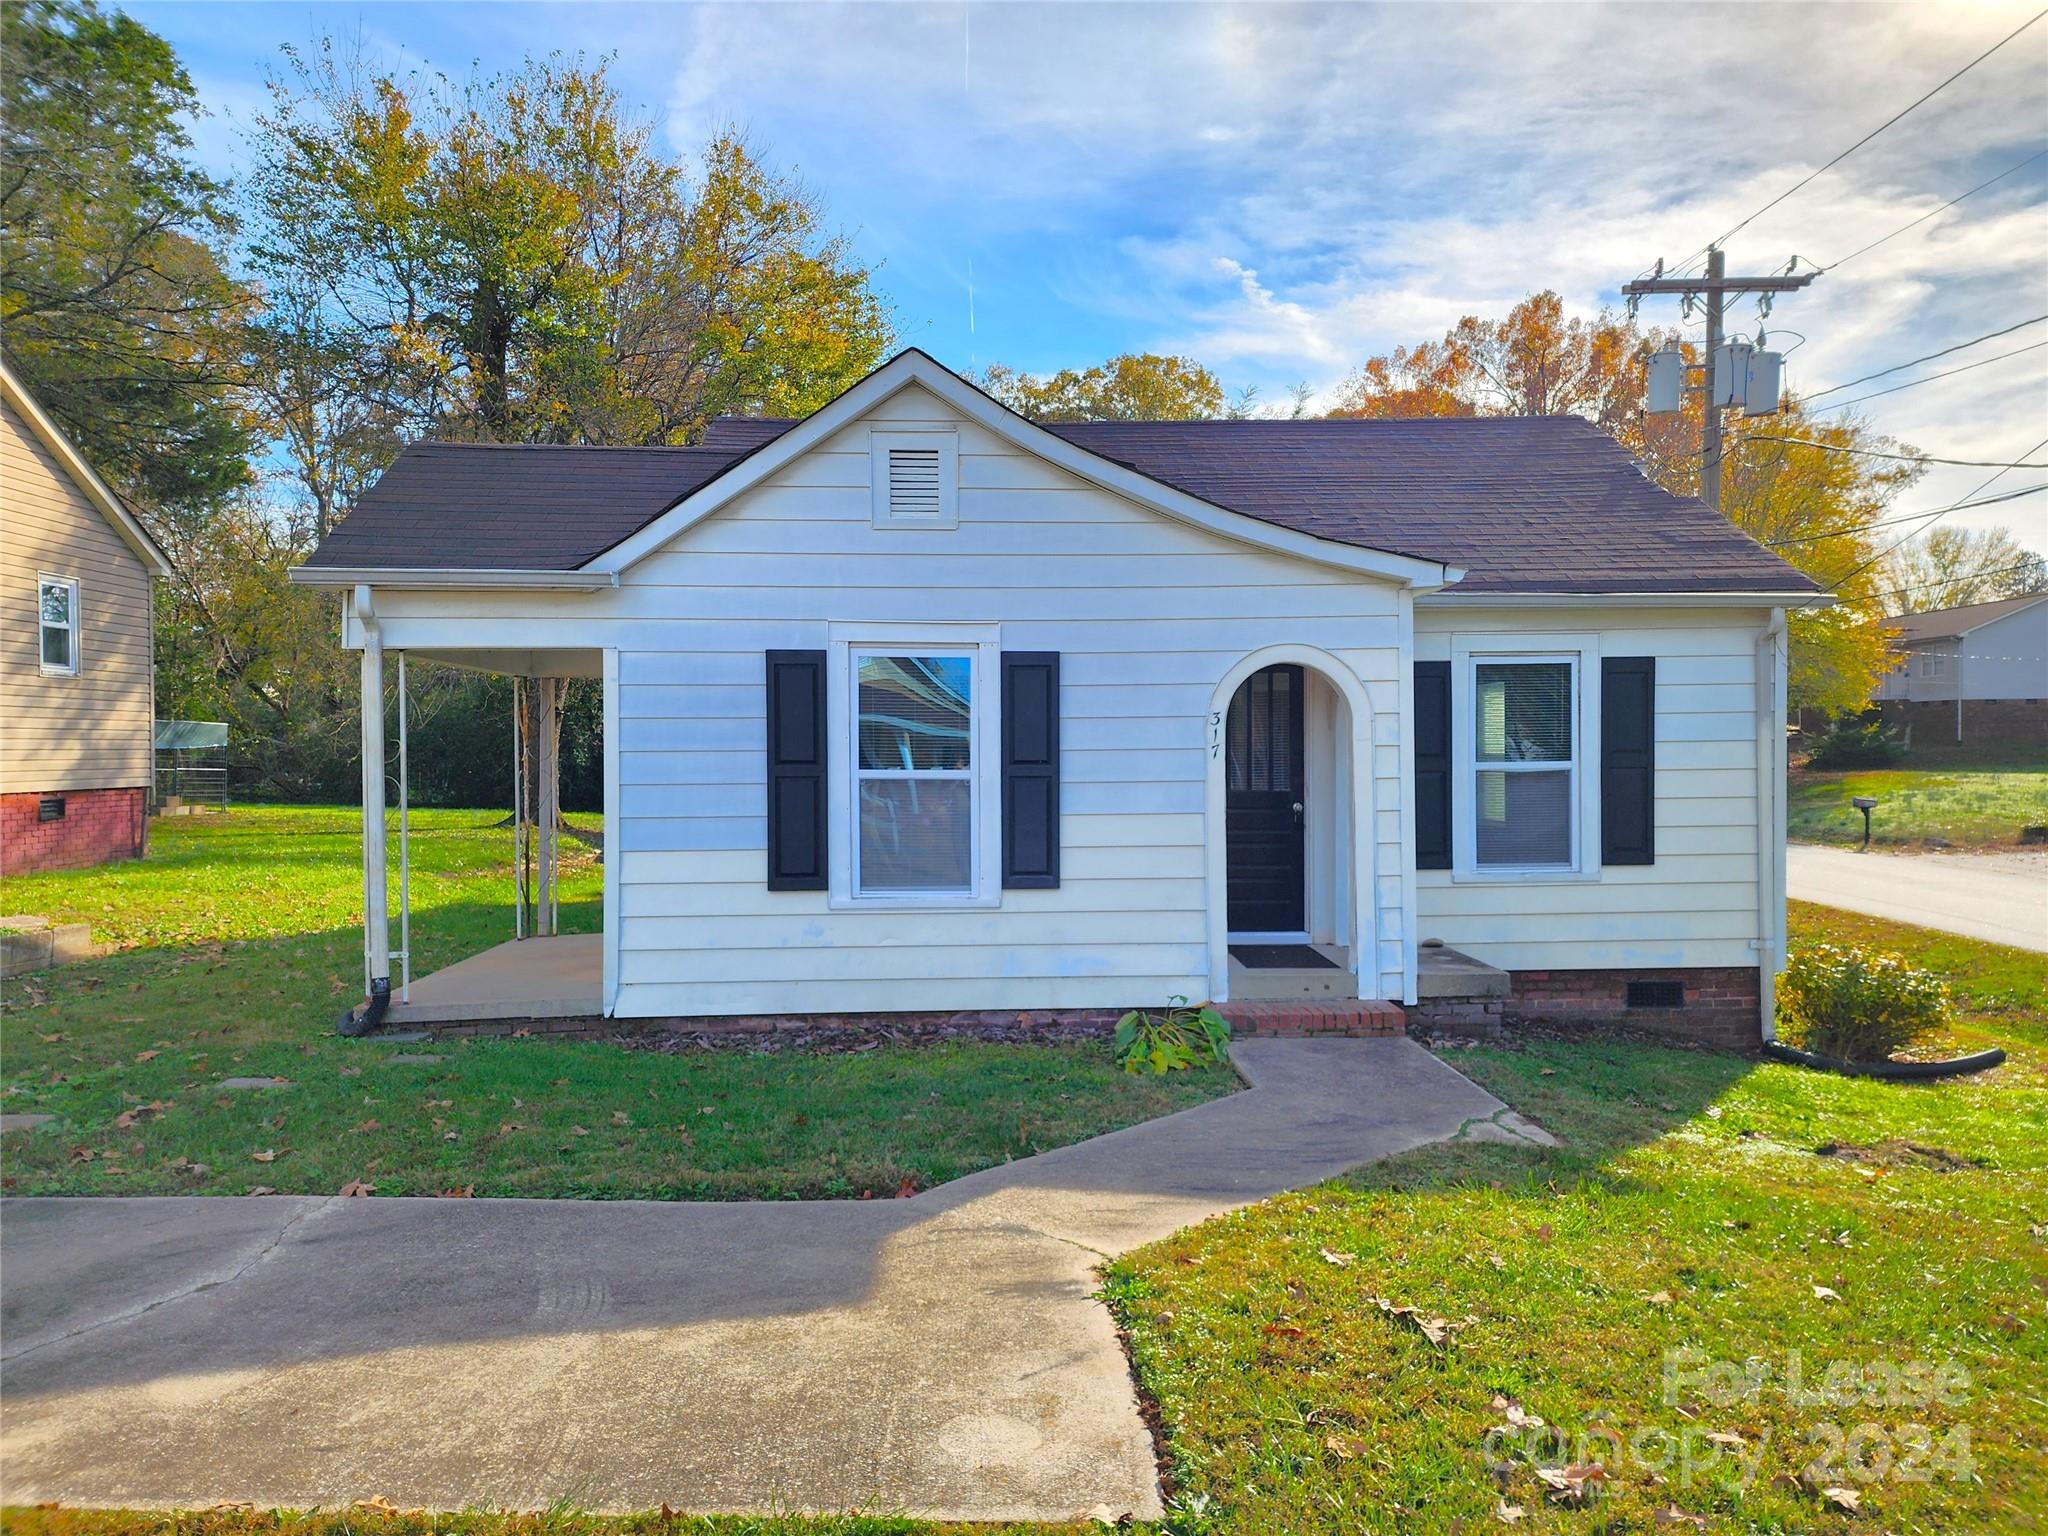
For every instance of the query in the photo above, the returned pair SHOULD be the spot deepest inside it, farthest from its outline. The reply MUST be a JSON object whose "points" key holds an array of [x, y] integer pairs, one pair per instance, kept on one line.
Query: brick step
{"points": [[1344, 1017]]}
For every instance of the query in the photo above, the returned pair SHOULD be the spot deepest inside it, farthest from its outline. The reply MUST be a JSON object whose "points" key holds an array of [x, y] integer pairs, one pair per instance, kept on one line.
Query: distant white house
{"points": [[1975, 676]]}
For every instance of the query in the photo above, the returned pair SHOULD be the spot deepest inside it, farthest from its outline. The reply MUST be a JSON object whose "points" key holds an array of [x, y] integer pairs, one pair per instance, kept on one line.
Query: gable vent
{"points": [[914, 485]]}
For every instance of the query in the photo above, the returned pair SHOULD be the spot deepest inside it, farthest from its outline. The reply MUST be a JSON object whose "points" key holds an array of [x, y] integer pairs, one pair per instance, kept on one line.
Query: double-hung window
{"points": [[57, 616], [915, 793], [1525, 763]]}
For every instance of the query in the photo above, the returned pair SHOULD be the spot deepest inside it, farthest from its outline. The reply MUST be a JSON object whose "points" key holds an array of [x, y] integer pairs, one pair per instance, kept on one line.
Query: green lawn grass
{"points": [[1690, 1210], [240, 948], [1964, 807]]}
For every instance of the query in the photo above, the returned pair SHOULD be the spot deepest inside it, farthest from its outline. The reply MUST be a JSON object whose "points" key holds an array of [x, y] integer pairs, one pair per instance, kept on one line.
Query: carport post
{"points": [[376, 917]]}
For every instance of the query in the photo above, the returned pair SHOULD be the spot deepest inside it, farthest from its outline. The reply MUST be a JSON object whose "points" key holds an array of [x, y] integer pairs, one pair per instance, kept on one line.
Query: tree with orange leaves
{"points": [[1814, 506]]}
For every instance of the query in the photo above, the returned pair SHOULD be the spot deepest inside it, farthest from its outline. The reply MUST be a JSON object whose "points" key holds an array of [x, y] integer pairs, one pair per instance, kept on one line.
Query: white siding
{"points": [[1698, 904], [2007, 658], [1148, 615]]}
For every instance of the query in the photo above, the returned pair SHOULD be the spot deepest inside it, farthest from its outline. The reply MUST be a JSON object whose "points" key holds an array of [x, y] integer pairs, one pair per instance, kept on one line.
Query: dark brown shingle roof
{"points": [[1524, 504]]}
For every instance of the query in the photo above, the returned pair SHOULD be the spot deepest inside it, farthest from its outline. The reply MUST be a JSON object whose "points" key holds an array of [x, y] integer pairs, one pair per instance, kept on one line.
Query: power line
{"points": [[1945, 374], [1944, 208], [1872, 453], [1835, 389], [1927, 522], [1880, 128], [1908, 517], [1942, 581]]}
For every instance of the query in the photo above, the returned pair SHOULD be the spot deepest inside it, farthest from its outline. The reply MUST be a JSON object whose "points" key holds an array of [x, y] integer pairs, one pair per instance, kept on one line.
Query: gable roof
{"points": [[1954, 623], [82, 474], [1521, 504]]}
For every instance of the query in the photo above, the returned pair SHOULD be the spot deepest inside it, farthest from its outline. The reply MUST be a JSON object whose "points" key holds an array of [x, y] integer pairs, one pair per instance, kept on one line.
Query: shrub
{"points": [[1179, 1038], [1856, 1004], [1855, 743]]}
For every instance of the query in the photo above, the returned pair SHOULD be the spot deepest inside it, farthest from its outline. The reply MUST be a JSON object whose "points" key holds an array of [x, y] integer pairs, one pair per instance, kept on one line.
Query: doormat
{"points": [[1280, 957]]}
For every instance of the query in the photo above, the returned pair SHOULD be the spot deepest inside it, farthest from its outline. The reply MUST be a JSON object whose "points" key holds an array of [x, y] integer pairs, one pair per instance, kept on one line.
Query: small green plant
{"points": [[1181, 1037], [1855, 743], [1859, 1005]]}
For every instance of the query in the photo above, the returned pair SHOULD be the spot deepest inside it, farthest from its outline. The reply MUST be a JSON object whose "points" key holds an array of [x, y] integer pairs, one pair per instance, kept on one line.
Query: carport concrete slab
{"points": [[941, 1356]]}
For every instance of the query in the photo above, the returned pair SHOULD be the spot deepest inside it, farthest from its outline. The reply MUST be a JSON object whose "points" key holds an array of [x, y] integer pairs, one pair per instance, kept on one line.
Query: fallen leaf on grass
{"points": [[1508, 1514], [577, 1130], [142, 1056], [906, 1189], [262, 1189], [366, 1125], [356, 1189], [263, 1157], [1671, 1514], [1435, 1329], [1287, 1330], [377, 1502], [51, 1039], [1825, 1293], [1569, 1484], [351, 1071], [1512, 1411], [1659, 1298], [127, 1118], [1724, 1438], [1341, 1260], [1847, 1499], [466, 1192], [1345, 1447], [620, 1117]]}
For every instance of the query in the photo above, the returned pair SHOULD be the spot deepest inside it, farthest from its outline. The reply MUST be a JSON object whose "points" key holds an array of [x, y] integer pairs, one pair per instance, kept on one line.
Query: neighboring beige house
{"points": [[77, 702]]}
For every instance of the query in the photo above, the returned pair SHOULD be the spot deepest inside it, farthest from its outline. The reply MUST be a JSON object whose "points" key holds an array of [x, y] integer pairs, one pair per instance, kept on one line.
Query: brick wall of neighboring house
{"points": [[1722, 1005], [2000, 730], [98, 825]]}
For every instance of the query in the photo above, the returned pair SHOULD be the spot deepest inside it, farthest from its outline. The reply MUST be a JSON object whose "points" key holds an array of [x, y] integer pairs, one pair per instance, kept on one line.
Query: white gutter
{"points": [[1456, 599], [1770, 816], [444, 579]]}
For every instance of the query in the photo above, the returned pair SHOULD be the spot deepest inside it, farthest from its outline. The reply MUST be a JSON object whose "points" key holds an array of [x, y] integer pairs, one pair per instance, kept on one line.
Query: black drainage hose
{"points": [[362, 1021]]}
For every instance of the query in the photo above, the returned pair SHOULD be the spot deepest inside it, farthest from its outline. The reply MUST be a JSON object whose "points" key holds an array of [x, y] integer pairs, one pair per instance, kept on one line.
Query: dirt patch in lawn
{"points": [[1896, 1154]]}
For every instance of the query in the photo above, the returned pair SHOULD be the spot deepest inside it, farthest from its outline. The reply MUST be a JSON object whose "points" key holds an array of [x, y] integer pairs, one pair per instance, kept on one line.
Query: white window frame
{"points": [[1936, 666], [941, 438], [1468, 653], [982, 644], [43, 583]]}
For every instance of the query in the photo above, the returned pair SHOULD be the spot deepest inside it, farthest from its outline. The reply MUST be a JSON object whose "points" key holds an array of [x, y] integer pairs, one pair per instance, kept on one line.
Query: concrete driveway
{"points": [[2002, 897], [939, 1356]]}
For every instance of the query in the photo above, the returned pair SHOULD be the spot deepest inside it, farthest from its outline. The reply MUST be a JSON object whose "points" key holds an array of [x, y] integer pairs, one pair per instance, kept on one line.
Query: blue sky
{"points": [[1281, 191]]}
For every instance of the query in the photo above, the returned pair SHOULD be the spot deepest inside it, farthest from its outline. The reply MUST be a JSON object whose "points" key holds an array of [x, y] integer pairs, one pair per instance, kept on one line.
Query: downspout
{"points": [[1770, 817], [376, 922]]}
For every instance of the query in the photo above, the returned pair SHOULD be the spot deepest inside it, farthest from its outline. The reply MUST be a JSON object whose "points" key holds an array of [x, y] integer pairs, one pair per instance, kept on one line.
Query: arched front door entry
{"points": [[1265, 795]]}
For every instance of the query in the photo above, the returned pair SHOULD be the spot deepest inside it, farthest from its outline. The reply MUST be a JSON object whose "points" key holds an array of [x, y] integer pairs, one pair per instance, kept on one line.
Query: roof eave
{"points": [[1734, 598], [448, 579]]}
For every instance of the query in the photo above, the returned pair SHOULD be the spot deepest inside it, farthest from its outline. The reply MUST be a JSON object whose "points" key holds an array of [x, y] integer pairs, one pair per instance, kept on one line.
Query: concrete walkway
{"points": [[940, 1356], [1999, 897]]}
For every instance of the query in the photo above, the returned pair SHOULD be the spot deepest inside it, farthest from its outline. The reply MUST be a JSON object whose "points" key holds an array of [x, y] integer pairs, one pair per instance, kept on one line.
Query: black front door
{"points": [[1264, 793]]}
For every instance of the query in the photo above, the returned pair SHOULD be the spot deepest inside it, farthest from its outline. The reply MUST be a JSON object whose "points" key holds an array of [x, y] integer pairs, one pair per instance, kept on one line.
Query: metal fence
{"points": [[191, 763]]}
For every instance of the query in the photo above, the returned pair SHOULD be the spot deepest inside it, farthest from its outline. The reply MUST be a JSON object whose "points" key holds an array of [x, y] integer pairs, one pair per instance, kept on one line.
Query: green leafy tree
{"points": [[113, 303], [1137, 386]]}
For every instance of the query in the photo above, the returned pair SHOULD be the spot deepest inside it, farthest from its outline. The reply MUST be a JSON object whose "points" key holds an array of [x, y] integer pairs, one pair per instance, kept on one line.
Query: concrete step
{"points": [[1278, 984], [1350, 1017]]}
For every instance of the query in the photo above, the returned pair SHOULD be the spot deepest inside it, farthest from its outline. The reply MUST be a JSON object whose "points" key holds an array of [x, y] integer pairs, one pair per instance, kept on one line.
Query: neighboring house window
{"points": [[918, 779], [1524, 763], [1935, 666], [57, 609]]}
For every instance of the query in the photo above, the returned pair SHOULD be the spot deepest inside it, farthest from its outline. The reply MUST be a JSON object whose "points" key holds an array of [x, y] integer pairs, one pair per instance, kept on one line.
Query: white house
{"points": [[1975, 675], [914, 706]]}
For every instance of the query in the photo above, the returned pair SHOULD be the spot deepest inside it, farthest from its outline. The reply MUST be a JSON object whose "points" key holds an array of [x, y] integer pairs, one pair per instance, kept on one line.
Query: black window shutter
{"points": [[796, 771], [1628, 749], [1031, 770], [1432, 765]]}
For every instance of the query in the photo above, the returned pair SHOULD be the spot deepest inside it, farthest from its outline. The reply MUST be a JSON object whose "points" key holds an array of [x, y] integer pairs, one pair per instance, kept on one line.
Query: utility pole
{"points": [[1715, 287]]}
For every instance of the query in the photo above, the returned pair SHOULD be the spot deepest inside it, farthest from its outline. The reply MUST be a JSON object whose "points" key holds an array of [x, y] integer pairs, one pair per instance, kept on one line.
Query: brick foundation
{"points": [[1994, 730], [1722, 1004], [98, 825], [1320, 1016], [1481, 1016]]}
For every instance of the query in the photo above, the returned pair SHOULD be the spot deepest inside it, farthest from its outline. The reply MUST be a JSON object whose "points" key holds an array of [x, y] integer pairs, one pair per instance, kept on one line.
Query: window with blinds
{"points": [[914, 771], [1524, 763]]}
